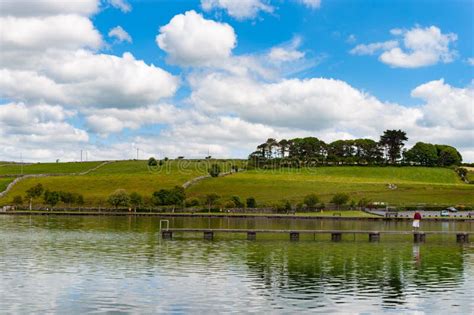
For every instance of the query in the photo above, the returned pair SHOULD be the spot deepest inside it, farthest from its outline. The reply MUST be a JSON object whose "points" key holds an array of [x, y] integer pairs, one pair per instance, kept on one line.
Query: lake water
{"points": [[119, 264]]}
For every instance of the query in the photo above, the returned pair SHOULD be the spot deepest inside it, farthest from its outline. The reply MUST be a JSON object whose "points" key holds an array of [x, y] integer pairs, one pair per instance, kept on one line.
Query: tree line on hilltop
{"points": [[311, 151]]}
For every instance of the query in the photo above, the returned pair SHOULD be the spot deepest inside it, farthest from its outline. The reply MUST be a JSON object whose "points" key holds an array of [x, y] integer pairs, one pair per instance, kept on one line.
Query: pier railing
{"points": [[336, 235]]}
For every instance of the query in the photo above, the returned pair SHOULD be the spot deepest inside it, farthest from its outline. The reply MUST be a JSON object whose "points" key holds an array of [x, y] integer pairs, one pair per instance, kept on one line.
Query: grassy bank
{"points": [[133, 176], [415, 185], [327, 214], [4, 181], [46, 168]]}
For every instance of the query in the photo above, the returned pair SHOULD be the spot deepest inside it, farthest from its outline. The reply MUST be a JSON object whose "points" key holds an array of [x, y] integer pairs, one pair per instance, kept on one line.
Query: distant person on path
{"points": [[416, 221]]}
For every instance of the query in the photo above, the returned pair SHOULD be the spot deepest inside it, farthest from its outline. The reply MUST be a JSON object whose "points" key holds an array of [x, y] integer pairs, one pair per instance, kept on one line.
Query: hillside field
{"points": [[415, 185], [46, 168], [4, 181], [133, 176]]}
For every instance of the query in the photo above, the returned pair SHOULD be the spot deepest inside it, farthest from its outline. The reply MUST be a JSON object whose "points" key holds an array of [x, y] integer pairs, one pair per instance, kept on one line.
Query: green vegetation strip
{"points": [[47, 168], [4, 181], [398, 186]]}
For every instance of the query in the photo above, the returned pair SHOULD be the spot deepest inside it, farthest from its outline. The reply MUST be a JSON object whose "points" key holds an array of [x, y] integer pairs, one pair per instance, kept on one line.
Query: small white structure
{"points": [[6, 208]]}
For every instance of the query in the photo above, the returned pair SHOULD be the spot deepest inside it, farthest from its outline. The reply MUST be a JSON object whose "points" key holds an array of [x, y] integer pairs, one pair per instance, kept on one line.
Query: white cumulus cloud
{"points": [[287, 52], [241, 9], [37, 8], [122, 5], [43, 33], [90, 80], [35, 126], [191, 40], [120, 34], [446, 105], [372, 48], [413, 48], [113, 120]]}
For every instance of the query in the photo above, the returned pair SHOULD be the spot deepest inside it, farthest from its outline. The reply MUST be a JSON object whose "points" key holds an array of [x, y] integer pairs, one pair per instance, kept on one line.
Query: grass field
{"points": [[415, 185], [4, 181], [470, 176], [133, 176], [46, 168]]}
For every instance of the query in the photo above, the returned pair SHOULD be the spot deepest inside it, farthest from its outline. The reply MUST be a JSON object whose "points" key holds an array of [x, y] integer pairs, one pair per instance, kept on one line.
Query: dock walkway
{"points": [[336, 235]]}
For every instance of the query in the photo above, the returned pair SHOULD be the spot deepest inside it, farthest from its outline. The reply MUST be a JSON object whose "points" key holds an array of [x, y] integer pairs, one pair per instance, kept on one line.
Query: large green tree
{"points": [[211, 199], [393, 141], [340, 199], [136, 200], [311, 201], [119, 198], [52, 197], [168, 197], [34, 192], [448, 155], [422, 153], [367, 151]]}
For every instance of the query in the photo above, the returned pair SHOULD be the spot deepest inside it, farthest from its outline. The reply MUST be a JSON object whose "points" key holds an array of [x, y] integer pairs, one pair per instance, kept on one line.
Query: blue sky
{"points": [[324, 32], [185, 77]]}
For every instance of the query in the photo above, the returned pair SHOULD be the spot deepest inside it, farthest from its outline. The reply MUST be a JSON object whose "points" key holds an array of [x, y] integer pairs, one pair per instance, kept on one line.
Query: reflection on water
{"points": [[100, 264]]}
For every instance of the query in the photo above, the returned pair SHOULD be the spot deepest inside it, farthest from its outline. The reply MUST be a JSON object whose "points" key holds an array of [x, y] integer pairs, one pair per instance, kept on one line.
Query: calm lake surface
{"points": [[60, 264]]}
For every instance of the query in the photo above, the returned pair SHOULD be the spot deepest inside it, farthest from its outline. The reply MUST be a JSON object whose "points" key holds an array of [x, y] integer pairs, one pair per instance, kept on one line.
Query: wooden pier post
{"points": [[167, 235], [374, 237], [251, 236], [208, 235], [336, 237], [462, 238], [419, 237], [294, 236]]}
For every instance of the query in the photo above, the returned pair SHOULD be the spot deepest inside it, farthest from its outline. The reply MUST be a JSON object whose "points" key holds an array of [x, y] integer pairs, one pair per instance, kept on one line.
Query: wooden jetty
{"points": [[336, 235]]}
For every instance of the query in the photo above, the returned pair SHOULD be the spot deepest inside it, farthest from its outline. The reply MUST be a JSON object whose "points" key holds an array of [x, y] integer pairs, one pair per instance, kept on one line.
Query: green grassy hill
{"points": [[47, 168], [4, 181], [133, 176], [415, 185]]}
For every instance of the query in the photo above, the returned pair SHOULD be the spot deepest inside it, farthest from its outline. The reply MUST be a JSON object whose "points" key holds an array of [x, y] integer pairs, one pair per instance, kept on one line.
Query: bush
{"points": [[363, 203], [340, 199], [237, 202], [192, 203], [311, 201], [79, 199], [211, 200], [51, 197], [229, 204], [283, 206], [168, 197], [17, 200], [67, 197], [251, 202], [353, 204], [136, 200], [152, 162], [214, 170], [119, 198], [462, 172]]}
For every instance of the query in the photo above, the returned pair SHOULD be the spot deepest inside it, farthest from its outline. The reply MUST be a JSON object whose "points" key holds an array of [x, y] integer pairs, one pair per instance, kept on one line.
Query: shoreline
{"points": [[227, 215]]}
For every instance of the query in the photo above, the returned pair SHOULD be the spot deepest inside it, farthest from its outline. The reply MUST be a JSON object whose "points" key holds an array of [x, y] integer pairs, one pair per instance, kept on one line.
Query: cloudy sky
{"points": [[190, 77]]}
